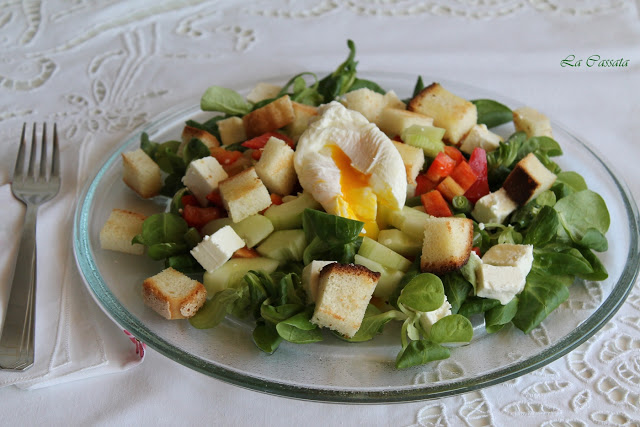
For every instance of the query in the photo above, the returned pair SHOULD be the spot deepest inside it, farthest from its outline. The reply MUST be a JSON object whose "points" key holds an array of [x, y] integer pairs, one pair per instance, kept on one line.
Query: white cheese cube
{"points": [[310, 275], [480, 136], [499, 282], [494, 207], [531, 121], [520, 256], [202, 177], [263, 91], [216, 249], [430, 317]]}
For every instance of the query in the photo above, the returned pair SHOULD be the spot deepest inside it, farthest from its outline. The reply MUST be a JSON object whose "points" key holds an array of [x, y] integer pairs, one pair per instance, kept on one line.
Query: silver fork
{"points": [[32, 188]]}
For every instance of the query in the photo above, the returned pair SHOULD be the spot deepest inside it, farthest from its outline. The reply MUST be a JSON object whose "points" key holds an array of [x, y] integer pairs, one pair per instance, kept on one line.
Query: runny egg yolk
{"points": [[357, 201]]}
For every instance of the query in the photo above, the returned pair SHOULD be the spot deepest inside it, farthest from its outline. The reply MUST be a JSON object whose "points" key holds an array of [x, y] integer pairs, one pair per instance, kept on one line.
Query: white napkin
{"points": [[74, 339]]}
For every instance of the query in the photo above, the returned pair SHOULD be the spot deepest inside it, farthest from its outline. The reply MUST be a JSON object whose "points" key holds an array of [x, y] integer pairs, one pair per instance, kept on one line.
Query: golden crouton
{"points": [[268, 118]]}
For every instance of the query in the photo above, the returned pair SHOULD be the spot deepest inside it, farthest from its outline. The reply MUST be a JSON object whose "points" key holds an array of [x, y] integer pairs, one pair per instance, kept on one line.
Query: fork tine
{"points": [[43, 154], [55, 154], [32, 155], [18, 169]]}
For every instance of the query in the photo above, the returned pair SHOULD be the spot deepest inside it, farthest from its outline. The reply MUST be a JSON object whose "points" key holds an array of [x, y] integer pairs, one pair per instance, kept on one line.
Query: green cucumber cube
{"points": [[389, 278], [252, 230], [231, 273], [410, 220], [383, 255], [289, 214], [284, 245], [400, 242]]}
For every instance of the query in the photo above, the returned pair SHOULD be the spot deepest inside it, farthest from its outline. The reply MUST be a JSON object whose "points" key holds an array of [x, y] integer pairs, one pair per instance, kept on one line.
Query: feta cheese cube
{"points": [[531, 121], [216, 249], [499, 282], [202, 177], [480, 136], [430, 317], [494, 207], [262, 91], [310, 275], [520, 256]]}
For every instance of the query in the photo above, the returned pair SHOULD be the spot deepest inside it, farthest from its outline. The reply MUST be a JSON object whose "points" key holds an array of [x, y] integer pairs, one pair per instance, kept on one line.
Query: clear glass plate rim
{"points": [[111, 306]]}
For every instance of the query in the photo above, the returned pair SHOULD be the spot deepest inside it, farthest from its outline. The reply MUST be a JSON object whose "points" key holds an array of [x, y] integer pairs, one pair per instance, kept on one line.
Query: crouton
{"points": [[480, 136], [263, 91], [456, 115], [231, 130], [121, 227], [275, 167], [173, 295], [447, 244], [268, 118], [393, 121], [532, 122], [344, 291], [528, 179], [302, 114], [244, 195], [370, 104], [202, 177], [141, 173], [189, 133], [413, 159]]}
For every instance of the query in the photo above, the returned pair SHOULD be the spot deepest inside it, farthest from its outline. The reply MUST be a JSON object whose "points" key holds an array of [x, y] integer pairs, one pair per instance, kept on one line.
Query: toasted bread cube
{"points": [[173, 295], [216, 249], [189, 133], [370, 104], [532, 122], [413, 159], [302, 114], [528, 179], [141, 173], [202, 177], [310, 276], [231, 130], [275, 167], [494, 207], [447, 244], [393, 121], [121, 227], [456, 115], [244, 195], [480, 136], [344, 291], [263, 91], [268, 118]]}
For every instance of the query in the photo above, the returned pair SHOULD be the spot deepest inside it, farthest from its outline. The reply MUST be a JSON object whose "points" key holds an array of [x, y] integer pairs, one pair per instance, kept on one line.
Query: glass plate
{"points": [[334, 370]]}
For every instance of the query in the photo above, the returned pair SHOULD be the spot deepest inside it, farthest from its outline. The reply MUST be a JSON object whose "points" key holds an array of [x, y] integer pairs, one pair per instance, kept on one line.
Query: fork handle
{"points": [[18, 330]]}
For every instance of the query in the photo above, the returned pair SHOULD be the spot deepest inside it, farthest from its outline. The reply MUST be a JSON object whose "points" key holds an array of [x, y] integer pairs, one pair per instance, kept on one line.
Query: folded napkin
{"points": [[74, 338]]}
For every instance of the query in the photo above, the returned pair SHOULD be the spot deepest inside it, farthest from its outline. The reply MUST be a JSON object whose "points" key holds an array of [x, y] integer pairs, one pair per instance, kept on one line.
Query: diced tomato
{"points": [[276, 199], [454, 153], [215, 198], [434, 204], [424, 184], [256, 154], [245, 253], [449, 188], [197, 216], [225, 157], [478, 164], [441, 167], [476, 250], [397, 138], [189, 199], [260, 141], [464, 175]]}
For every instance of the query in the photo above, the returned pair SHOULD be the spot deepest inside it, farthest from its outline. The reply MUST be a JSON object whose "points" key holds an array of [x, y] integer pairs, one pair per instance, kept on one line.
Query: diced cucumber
{"points": [[289, 215], [252, 230], [232, 271], [284, 245], [400, 242], [389, 278], [383, 255], [429, 138], [410, 220]]}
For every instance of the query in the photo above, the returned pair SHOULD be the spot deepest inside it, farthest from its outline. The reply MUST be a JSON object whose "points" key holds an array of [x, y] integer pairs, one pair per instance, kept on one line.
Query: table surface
{"points": [[101, 68]]}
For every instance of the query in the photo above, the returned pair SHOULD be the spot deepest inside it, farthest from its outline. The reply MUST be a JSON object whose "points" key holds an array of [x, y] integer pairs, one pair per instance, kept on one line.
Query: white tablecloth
{"points": [[101, 68]]}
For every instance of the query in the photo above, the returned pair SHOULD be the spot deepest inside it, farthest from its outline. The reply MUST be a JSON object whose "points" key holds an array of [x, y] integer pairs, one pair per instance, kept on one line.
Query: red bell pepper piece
{"points": [[245, 253], [276, 199], [424, 184], [260, 141], [225, 157], [215, 198], [476, 250], [256, 154], [189, 199], [464, 175], [198, 217], [478, 164], [454, 153], [434, 204], [441, 167]]}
